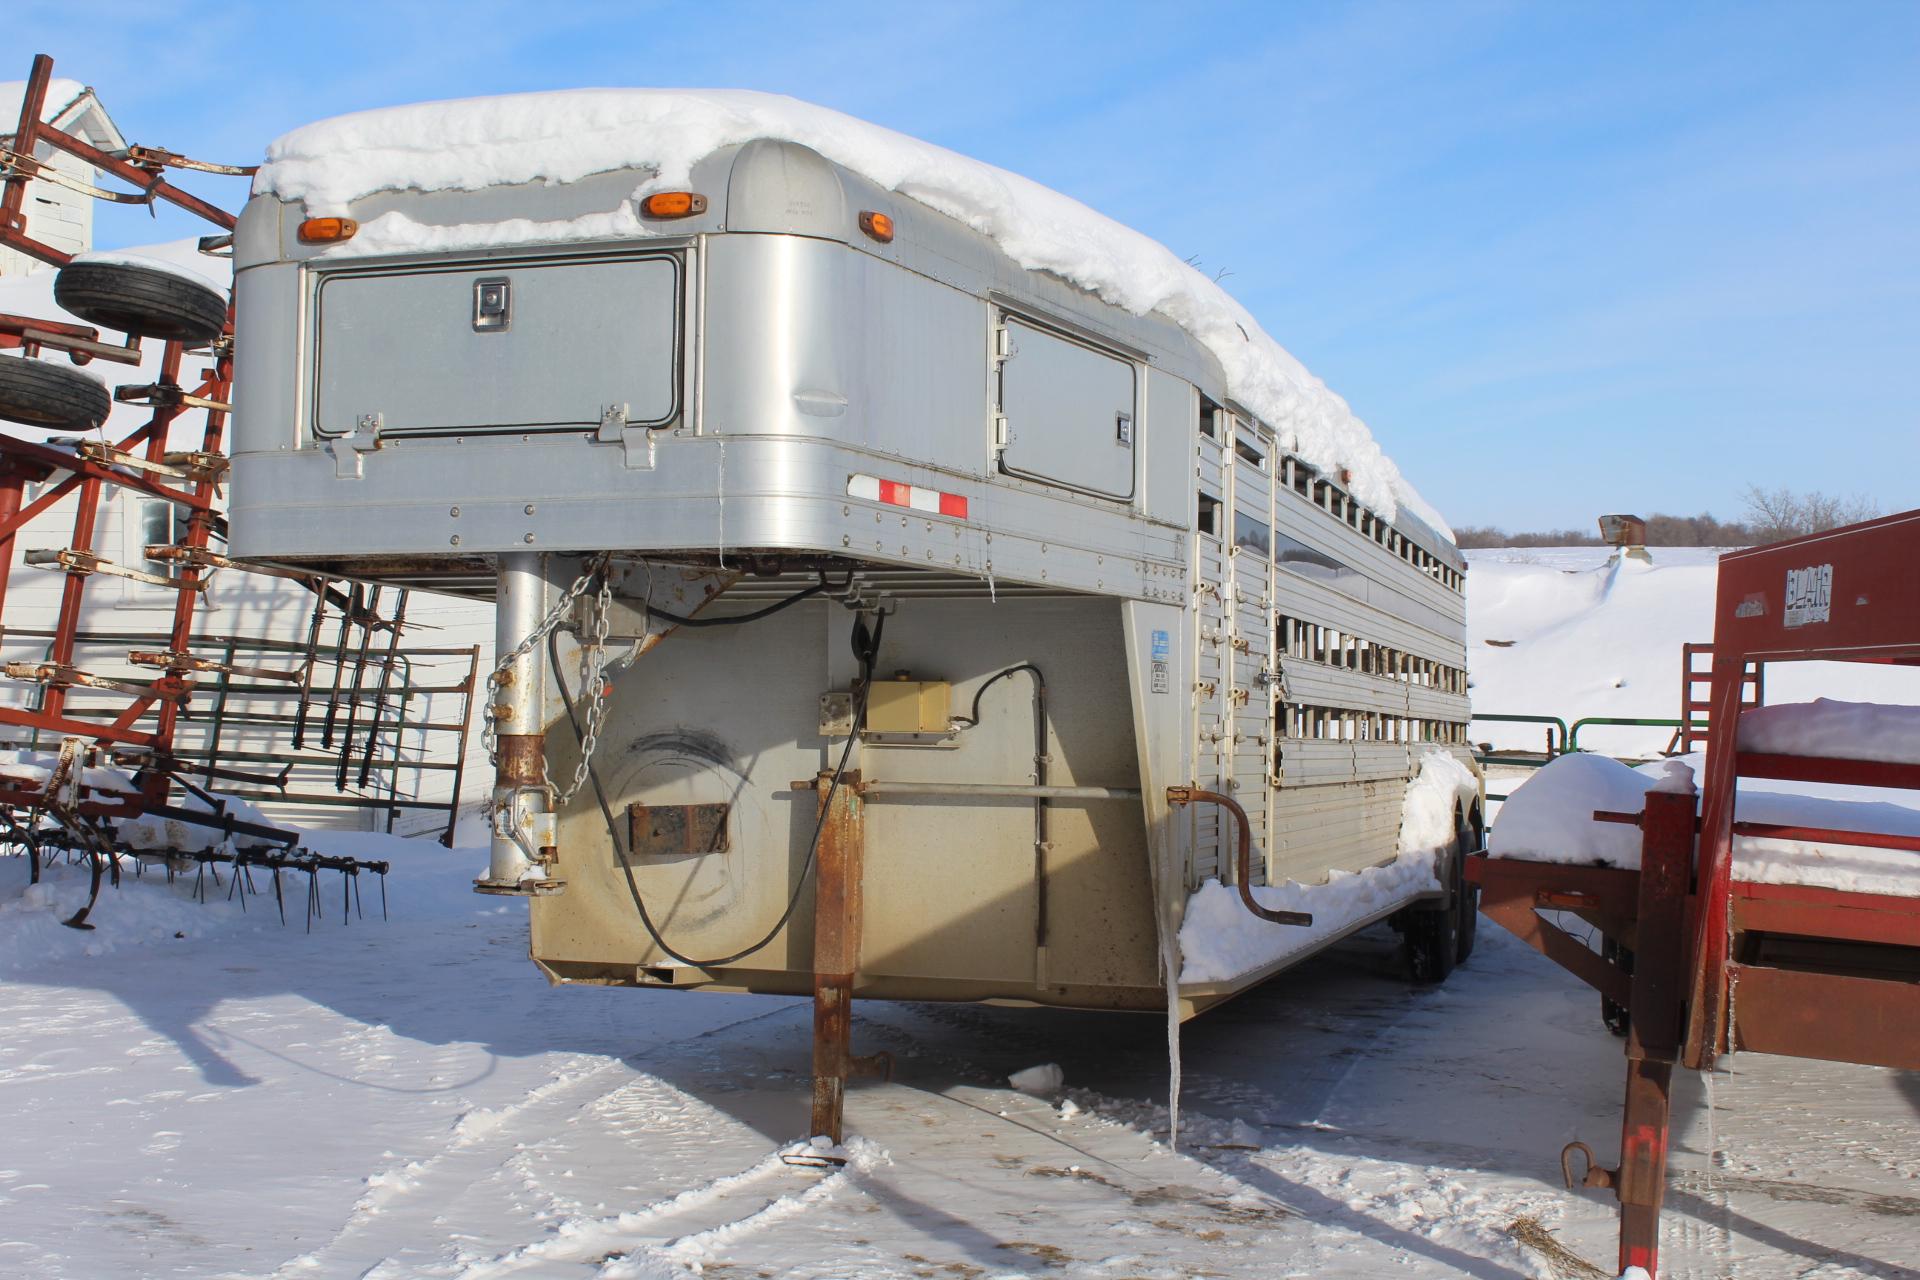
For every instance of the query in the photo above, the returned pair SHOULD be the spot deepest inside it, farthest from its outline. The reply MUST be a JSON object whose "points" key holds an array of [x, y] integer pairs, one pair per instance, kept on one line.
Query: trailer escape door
{"points": [[1067, 409]]}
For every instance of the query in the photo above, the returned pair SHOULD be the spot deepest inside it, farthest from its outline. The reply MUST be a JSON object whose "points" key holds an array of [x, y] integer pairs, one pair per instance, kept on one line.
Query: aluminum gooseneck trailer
{"points": [[935, 625]]}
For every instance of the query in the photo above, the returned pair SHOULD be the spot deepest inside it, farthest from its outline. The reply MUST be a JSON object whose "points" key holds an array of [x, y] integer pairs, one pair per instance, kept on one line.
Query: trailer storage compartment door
{"points": [[1069, 410], [498, 346]]}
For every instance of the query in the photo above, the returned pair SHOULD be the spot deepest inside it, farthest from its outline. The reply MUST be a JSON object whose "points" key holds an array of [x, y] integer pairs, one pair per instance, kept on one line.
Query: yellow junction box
{"points": [[908, 706]]}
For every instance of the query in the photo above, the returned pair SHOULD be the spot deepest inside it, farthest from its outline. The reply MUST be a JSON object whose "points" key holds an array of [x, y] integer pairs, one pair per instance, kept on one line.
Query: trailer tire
{"points": [[48, 395], [1433, 935], [145, 302], [1466, 840]]}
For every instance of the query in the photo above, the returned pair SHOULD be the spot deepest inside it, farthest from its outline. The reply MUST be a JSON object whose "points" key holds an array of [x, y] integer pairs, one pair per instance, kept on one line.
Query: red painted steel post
{"points": [[1654, 1029], [13, 193], [1709, 922], [66, 627], [836, 947], [12, 482]]}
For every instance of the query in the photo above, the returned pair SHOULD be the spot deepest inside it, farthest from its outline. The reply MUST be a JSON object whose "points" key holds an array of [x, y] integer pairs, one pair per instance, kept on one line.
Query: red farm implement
{"points": [[1704, 962], [108, 723]]}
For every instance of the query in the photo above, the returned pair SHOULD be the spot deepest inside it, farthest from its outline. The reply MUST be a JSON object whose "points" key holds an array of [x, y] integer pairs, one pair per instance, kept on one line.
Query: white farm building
{"points": [[58, 214]]}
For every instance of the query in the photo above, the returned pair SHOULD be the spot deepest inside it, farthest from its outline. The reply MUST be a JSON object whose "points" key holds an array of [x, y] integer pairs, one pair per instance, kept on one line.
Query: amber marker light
{"points": [[327, 230], [877, 225], [673, 204]]}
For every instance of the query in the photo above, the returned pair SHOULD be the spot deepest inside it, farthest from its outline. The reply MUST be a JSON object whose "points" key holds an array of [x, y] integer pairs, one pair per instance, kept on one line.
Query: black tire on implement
{"points": [[48, 395], [143, 301]]}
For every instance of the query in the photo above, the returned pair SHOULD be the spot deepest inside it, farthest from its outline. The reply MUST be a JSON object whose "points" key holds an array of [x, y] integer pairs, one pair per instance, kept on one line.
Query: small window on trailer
{"points": [[1207, 519], [1252, 535], [1209, 413], [1249, 453]]}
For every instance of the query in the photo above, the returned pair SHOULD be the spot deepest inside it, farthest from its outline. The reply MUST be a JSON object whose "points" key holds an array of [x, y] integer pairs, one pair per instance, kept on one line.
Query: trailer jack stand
{"points": [[836, 953]]}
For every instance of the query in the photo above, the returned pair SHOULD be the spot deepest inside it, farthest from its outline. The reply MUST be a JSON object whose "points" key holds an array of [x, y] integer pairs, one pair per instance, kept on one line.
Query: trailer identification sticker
{"points": [[1162, 668], [1809, 595]]}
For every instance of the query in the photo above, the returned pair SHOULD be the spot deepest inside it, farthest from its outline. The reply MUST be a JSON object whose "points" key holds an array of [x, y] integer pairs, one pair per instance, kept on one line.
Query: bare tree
{"points": [[1774, 514]]}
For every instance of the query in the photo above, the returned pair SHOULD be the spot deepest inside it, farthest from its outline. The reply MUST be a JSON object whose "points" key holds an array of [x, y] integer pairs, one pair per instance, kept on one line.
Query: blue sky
{"points": [[1564, 258]]}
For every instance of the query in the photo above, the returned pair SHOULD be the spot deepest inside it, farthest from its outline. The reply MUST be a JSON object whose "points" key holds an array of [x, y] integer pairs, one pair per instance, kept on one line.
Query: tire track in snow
{"points": [[681, 1231], [475, 1147], [400, 1221]]}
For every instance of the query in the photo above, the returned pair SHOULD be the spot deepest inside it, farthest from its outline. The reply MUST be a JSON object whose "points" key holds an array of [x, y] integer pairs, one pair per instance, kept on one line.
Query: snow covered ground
{"points": [[1559, 631], [196, 1091]]}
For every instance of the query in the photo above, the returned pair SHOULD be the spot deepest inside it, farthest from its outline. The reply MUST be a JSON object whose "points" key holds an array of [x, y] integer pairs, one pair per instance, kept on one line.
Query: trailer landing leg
{"points": [[836, 954]]}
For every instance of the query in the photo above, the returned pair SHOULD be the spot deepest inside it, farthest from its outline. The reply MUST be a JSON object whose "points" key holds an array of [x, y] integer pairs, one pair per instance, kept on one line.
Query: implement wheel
{"points": [[146, 302], [50, 395]]}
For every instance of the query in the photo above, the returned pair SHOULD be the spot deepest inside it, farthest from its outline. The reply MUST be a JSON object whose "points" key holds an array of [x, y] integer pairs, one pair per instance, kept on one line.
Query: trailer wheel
{"points": [[50, 395], [143, 301], [1466, 840], [1433, 936]]}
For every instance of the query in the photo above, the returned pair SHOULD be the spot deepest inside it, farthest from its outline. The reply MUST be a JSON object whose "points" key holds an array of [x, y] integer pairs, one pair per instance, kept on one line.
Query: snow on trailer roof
{"points": [[561, 137]]}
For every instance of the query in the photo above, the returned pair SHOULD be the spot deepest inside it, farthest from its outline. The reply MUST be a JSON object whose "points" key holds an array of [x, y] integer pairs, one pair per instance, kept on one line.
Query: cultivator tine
{"points": [[279, 898]]}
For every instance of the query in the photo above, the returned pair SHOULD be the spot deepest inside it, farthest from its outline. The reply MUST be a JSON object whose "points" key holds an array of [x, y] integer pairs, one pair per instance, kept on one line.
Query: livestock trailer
{"points": [[867, 535]]}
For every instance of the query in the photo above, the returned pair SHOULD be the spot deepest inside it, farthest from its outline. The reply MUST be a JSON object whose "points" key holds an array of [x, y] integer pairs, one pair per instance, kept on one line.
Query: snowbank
{"points": [[150, 831], [1550, 819], [556, 138], [36, 767], [1841, 730], [1220, 939], [1560, 631]]}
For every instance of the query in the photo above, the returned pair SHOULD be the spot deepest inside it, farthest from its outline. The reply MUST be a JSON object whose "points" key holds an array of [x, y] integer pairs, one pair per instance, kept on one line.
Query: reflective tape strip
{"points": [[896, 494]]}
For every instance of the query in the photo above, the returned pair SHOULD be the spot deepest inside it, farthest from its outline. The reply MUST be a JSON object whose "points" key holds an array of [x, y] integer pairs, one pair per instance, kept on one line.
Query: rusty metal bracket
{"points": [[158, 158], [83, 563], [871, 1066], [1243, 860], [167, 395], [1597, 1175]]}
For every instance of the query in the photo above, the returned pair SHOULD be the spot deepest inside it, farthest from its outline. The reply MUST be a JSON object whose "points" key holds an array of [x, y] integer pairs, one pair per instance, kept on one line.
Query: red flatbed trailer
{"points": [[1714, 964]]}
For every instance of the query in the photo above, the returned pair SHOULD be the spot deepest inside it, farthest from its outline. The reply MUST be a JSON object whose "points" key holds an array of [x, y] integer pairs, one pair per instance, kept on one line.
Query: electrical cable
{"points": [[973, 719], [653, 611], [866, 647]]}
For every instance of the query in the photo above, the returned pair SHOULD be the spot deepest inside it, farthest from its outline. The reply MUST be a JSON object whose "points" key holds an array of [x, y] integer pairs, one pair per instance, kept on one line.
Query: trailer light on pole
{"points": [[673, 204], [327, 230]]}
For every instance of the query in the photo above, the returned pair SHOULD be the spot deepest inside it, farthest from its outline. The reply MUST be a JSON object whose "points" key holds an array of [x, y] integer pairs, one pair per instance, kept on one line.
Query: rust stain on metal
{"points": [[678, 830]]}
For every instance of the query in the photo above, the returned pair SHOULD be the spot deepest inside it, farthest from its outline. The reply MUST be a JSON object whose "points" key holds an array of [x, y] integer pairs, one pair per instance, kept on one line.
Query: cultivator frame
{"points": [[72, 806], [1704, 963]]}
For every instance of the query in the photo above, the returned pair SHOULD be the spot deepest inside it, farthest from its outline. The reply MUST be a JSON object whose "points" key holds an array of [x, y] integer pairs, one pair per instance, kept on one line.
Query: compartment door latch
{"points": [[350, 451], [636, 442]]}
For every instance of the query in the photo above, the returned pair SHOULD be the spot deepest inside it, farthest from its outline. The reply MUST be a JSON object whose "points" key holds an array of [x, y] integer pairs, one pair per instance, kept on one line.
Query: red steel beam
{"points": [[1806, 911], [1833, 1017], [1859, 773]]}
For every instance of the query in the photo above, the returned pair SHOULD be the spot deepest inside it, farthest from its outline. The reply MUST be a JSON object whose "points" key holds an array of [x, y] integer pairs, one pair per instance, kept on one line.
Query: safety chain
{"points": [[490, 734], [595, 668]]}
